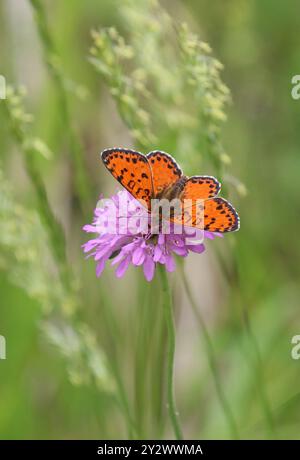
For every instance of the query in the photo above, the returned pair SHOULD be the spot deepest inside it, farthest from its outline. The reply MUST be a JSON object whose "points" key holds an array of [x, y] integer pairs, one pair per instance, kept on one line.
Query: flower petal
{"points": [[183, 251], [89, 228], [138, 256], [120, 271], [89, 245], [100, 267], [212, 235], [106, 250], [198, 248], [119, 257], [157, 253], [149, 268], [161, 238], [170, 263]]}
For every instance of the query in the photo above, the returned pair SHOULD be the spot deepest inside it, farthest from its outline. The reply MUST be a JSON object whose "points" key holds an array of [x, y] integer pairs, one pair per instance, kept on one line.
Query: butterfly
{"points": [[157, 175]]}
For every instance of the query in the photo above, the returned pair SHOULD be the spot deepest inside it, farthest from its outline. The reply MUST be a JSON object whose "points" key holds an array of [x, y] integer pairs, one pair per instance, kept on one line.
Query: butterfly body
{"points": [[158, 176], [173, 191]]}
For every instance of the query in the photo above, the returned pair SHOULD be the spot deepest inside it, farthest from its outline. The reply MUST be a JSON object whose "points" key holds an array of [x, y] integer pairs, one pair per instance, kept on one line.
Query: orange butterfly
{"points": [[157, 175]]}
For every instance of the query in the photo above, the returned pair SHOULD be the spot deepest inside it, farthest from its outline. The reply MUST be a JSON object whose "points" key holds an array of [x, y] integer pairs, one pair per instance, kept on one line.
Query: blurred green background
{"points": [[86, 356]]}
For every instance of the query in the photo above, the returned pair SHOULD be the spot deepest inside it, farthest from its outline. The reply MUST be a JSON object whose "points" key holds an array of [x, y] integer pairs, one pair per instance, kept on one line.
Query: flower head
{"points": [[125, 235]]}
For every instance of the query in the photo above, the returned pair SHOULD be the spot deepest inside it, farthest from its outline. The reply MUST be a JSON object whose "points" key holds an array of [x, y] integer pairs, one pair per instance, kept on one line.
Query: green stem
{"points": [[167, 304], [212, 360]]}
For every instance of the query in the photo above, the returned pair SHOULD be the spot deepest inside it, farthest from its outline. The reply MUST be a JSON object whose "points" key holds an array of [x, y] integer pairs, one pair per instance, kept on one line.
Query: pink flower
{"points": [[123, 234]]}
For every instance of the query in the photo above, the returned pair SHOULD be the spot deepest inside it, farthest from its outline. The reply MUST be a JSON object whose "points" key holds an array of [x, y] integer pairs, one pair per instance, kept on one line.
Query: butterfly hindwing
{"points": [[212, 215], [132, 170], [165, 171], [220, 216], [202, 209]]}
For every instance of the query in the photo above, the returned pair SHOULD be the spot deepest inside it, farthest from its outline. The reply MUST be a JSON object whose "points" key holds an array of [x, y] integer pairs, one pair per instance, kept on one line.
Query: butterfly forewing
{"points": [[200, 187], [165, 171], [132, 170]]}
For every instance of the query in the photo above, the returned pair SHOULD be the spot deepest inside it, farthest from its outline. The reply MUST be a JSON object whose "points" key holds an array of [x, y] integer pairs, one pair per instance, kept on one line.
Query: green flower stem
{"points": [[212, 360], [52, 61], [167, 304]]}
